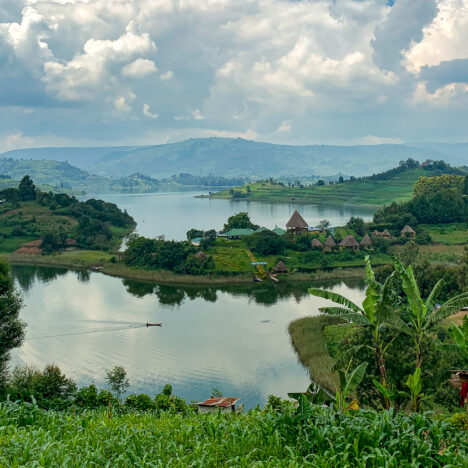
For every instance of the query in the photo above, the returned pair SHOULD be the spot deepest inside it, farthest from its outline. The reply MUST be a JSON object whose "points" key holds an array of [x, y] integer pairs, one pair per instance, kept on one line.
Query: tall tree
{"points": [[378, 309], [11, 327], [26, 189]]}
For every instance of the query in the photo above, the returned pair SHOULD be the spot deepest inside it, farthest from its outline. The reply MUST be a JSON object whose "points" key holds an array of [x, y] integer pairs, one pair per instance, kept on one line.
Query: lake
{"points": [[233, 338], [174, 213]]}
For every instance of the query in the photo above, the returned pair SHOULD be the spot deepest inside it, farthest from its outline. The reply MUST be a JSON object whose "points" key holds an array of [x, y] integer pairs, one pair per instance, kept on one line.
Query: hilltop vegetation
{"points": [[394, 185], [58, 221]]}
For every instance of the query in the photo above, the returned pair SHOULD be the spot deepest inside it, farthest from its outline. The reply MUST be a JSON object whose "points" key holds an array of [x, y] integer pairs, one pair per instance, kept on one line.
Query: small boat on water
{"points": [[153, 324], [257, 279]]}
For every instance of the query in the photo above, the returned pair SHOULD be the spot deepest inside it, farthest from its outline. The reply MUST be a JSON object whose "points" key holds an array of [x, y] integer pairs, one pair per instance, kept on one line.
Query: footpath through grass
{"points": [[284, 437]]}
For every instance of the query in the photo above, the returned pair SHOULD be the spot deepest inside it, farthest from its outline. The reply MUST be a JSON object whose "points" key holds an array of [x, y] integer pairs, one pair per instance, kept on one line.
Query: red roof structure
{"points": [[220, 402]]}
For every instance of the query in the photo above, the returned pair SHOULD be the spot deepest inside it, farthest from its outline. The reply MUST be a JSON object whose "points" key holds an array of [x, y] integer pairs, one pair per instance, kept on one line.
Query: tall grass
{"points": [[310, 343]]}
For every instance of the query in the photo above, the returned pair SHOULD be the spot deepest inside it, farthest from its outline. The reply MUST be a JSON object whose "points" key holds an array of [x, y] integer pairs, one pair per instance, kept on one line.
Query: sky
{"points": [[113, 72]]}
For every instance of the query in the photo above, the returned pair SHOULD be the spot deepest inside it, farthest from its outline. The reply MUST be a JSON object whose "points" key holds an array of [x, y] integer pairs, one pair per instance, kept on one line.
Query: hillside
{"points": [[237, 157], [374, 191]]}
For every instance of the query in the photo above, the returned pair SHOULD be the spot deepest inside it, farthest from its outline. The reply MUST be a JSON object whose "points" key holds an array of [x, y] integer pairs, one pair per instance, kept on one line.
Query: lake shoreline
{"points": [[166, 277]]}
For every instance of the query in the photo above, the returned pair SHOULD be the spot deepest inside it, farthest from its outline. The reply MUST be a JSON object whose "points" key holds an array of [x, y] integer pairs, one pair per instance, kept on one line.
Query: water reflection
{"points": [[231, 337]]}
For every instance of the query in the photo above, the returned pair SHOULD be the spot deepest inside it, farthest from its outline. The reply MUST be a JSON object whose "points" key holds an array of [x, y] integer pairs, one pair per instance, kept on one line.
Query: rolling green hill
{"points": [[373, 191]]}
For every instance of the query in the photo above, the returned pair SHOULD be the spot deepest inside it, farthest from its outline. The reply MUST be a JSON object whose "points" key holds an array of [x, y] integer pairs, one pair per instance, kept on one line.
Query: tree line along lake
{"points": [[233, 338]]}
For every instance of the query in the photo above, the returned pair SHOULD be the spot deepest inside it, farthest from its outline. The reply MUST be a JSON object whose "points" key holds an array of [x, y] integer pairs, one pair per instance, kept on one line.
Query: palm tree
{"points": [[423, 314], [378, 309]]}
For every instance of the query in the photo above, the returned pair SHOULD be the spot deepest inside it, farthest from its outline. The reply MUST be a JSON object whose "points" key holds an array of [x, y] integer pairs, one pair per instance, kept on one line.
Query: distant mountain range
{"points": [[236, 157]]}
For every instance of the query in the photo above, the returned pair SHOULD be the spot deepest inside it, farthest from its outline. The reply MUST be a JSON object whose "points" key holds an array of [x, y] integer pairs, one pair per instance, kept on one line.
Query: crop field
{"points": [[319, 437]]}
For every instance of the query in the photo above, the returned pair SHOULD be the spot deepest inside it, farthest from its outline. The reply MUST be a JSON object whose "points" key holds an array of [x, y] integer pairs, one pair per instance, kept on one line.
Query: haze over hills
{"points": [[232, 157]]}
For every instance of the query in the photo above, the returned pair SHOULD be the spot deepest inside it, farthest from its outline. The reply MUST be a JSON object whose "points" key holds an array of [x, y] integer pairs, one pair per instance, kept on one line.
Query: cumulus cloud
{"points": [[301, 71], [147, 112], [139, 68]]}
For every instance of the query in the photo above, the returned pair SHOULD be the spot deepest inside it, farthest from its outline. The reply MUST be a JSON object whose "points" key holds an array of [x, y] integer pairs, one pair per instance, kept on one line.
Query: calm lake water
{"points": [[174, 213], [232, 338]]}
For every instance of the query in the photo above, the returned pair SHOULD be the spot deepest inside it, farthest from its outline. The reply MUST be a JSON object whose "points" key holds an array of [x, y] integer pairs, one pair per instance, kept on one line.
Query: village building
{"points": [[408, 231], [279, 231], [330, 243], [385, 234], [349, 242], [236, 234], [316, 244], [196, 241], [214, 404], [366, 242], [280, 267], [200, 255], [297, 224]]}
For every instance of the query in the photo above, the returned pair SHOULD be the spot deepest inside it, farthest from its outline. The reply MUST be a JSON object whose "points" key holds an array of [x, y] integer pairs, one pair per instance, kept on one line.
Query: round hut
{"points": [[316, 244], [297, 224], [200, 255], [366, 242], [330, 242], [407, 231], [386, 234], [349, 242], [280, 267]]}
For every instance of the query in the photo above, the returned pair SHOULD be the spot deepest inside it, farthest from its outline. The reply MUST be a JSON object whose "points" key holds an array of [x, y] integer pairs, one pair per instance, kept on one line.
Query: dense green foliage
{"points": [[278, 436], [239, 221], [435, 200], [165, 255], [266, 243], [31, 213], [11, 327]]}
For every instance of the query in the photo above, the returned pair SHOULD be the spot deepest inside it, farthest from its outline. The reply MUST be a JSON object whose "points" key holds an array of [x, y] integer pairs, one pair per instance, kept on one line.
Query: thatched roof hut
{"points": [[386, 234], [280, 267], [349, 242], [366, 241], [200, 255], [408, 231], [317, 244], [297, 223], [330, 242]]}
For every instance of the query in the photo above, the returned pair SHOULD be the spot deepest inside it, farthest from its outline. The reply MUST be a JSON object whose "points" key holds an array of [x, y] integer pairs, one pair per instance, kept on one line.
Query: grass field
{"points": [[448, 234], [370, 193]]}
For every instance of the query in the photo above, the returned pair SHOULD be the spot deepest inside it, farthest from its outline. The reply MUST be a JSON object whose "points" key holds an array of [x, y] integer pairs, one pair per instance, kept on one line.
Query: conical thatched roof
{"points": [[349, 241], [330, 242], [297, 221], [386, 233], [316, 243], [280, 267], [408, 229], [366, 241], [200, 255]]}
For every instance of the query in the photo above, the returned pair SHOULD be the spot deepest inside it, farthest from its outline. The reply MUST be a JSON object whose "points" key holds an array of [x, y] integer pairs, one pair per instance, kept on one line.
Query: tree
{"points": [[340, 180], [266, 243], [194, 233], [11, 327], [117, 380], [239, 221], [378, 310], [324, 224], [26, 189], [320, 182], [409, 253], [423, 315], [357, 224]]}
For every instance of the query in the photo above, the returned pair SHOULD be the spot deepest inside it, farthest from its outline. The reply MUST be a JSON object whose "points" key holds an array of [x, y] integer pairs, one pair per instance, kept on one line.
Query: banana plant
{"points": [[348, 382], [460, 336], [379, 309], [423, 314]]}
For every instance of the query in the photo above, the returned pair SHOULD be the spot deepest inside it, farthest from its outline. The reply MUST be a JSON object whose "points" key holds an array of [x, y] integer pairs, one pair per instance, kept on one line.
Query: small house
{"points": [[213, 404], [330, 243], [366, 242], [407, 231], [236, 234], [297, 224], [200, 255], [196, 241], [386, 234], [316, 244], [279, 231], [349, 242], [280, 267]]}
